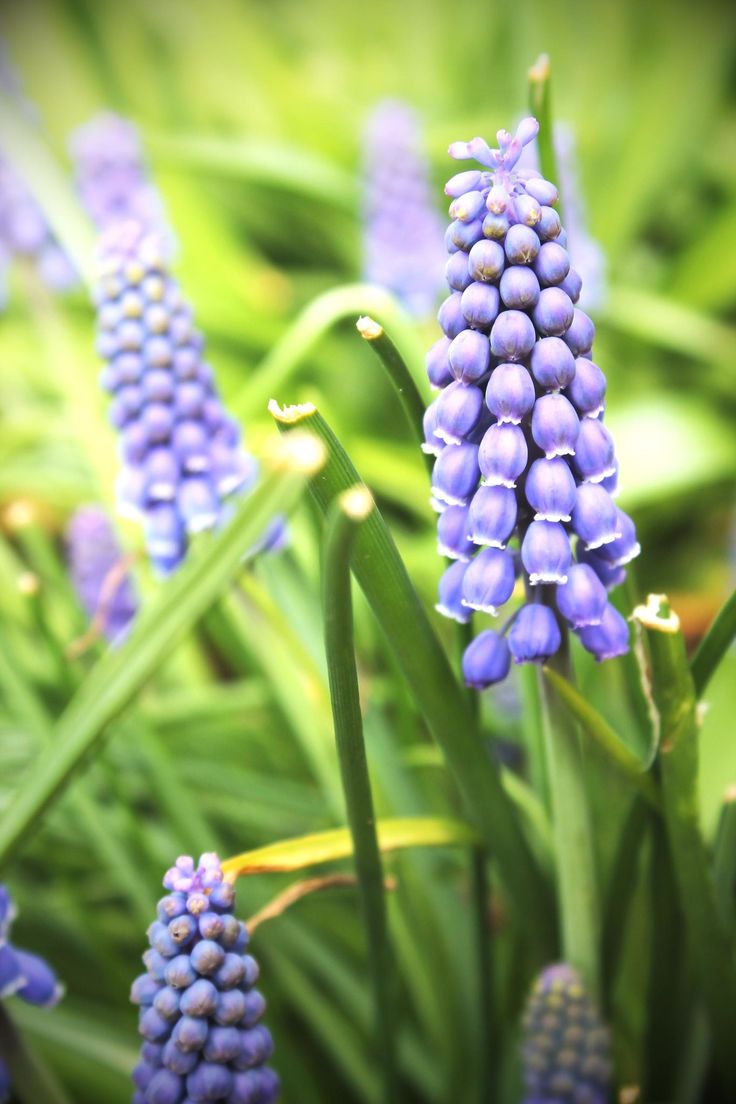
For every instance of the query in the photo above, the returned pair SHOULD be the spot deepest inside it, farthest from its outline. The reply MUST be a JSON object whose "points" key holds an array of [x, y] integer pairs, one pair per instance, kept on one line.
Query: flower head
{"points": [[565, 1046], [199, 1009], [22, 974], [181, 451], [402, 239], [525, 468]]}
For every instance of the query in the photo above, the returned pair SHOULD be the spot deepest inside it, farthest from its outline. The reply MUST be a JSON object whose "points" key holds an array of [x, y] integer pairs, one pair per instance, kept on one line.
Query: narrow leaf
{"points": [[714, 645], [324, 847]]}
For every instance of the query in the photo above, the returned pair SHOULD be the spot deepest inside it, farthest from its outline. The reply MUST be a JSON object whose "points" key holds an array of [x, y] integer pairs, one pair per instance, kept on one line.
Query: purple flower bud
{"points": [[519, 287], [552, 264], [553, 365], [486, 261], [583, 598], [452, 533], [526, 210], [553, 312], [488, 581], [544, 192], [468, 206], [469, 356], [548, 228], [521, 245], [512, 336], [550, 490], [486, 660], [463, 182], [595, 458], [534, 635], [498, 199], [572, 285], [608, 639], [626, 547], [580, 333], [465, 234], [450, 596], [455, 474], [209, 1081], [438, 366], [510, 393], [450, 315], [594, 516], [555, 426], [433, 445], [495, 226], [491, 516], [587, 389], [546, 553], [458, 410], [480, 303], [610, 575], [456, 272], [503, 455]]}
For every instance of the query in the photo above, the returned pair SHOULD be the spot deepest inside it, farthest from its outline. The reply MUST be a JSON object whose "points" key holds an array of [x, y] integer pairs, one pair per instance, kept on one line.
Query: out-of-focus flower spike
{"points": [[99, 572], [402, 234], [565, 1048]]}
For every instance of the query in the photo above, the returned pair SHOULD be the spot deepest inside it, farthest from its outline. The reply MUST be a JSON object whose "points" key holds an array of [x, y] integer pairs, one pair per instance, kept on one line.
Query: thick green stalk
{"points": [[382, 575], [619, 893], [576, 881], [712, 950], [345, 517], [32, 1082]]}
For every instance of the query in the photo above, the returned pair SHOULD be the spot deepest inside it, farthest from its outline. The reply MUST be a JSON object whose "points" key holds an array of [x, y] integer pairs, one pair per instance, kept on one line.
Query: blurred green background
{"points": [[252, 117]]}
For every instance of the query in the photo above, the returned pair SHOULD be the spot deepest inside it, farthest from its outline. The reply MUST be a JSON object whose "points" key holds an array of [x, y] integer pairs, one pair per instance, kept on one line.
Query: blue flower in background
{"points": [[402, 230], [199, 1008], [99, 572], [181, 451], [525, 469], [24, 231], [22, 974], [112, 178], [565, 1049]]}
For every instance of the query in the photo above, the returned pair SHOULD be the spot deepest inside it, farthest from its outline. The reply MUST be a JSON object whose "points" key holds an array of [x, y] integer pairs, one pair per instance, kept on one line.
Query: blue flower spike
{"points": [[199, 1008], [524, 480]]}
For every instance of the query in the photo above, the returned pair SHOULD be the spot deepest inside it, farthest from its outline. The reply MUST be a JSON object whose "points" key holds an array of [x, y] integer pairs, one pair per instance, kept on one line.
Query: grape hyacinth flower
{"points": [[24, 232], [111, 175], [199, 1009], [99, 572], [402, 230], [565, 1046], [525, 469], [22, 974], [181, 451]]}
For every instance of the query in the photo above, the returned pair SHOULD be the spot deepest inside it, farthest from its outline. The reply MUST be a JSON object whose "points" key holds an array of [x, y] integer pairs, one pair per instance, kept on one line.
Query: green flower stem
{"points": [[578, 894], [32, 1082], [674, 697], [489, 1050], [314, 322], [610, 743], [182, 600], [540, 104], [27, 151], [714, 645], [382, 575], [724, 862], [394, 363], [619, 894], [347, 513]]}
